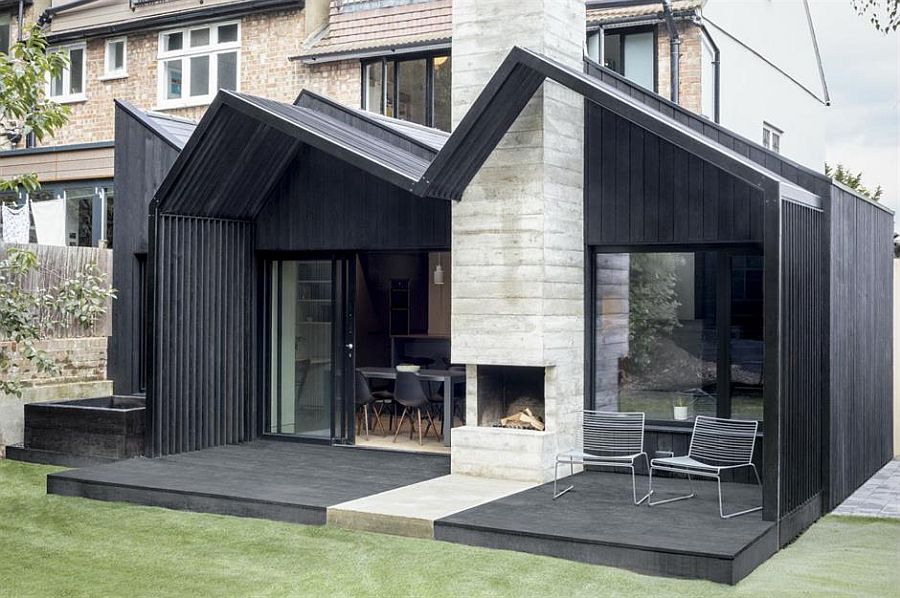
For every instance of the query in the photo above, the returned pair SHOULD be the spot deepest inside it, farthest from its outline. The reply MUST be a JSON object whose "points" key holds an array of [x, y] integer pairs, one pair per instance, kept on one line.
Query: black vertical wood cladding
{"points": [[807, 179], [861, 273], [641, 189], [142, 159], [205, 352], [803, 355], [325, 204]]}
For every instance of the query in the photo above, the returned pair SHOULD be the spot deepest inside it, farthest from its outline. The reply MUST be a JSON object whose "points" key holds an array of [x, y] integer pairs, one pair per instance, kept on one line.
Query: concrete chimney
{"points": [[518, 248]]}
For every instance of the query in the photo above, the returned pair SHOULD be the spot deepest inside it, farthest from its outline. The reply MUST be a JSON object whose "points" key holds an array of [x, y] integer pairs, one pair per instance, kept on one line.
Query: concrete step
{"points": [[412, 510]]}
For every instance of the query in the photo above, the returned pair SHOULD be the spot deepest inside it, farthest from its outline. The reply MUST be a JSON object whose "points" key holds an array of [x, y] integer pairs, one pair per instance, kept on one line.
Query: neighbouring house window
{"points": [[4, 33], [672, 342], [708, 81], [594, 39], [631, 53], [415, 89], [195, 62], [86, 213], [772, 138], [115, 58], [69, 85]]}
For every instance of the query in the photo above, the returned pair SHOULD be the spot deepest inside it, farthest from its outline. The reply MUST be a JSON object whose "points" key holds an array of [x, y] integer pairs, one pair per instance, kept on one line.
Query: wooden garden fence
{"points": [[57, 263]]}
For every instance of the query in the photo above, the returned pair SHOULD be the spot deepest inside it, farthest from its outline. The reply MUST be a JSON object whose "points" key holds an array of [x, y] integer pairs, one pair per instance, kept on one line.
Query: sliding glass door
{"points": [[311, 349]]}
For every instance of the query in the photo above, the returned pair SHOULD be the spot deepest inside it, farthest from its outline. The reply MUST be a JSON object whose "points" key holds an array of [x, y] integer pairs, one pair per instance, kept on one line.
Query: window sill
{"points": [[194, 103], [113, 77], [69, 99]]}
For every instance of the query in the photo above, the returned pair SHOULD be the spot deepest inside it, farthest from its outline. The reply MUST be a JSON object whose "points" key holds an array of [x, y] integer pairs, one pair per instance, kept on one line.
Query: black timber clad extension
{"points": [[146, 148], [861, 274], [641, 189], [361, 212], [803, 401], [812, 181], [201, 390]]}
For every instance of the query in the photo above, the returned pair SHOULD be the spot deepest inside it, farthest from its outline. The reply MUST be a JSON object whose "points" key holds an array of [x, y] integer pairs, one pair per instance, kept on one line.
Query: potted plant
{"points": [[680, 407]]}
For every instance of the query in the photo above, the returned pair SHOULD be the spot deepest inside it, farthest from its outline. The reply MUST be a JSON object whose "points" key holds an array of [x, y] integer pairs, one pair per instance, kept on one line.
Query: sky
{"points": [[862, 69]]}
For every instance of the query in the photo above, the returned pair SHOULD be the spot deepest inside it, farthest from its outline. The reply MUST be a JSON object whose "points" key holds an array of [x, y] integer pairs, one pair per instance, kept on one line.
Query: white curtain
{"points": [[50, 221], [16, 224]]}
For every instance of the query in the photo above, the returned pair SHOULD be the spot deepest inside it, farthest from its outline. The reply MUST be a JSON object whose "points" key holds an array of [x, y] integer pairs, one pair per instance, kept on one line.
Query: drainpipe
{"points": [[21, 34], [51, 12], [674, 48]]}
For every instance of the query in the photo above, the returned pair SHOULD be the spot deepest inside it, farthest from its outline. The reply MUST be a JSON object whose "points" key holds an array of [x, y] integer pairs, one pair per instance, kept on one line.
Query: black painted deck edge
{"points": [[17, 452], [641, 559], [67, 485]]}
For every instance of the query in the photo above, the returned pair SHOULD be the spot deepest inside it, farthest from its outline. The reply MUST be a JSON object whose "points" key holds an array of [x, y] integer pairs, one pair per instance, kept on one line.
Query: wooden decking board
{"points": [[597, 523], [267, 472]]}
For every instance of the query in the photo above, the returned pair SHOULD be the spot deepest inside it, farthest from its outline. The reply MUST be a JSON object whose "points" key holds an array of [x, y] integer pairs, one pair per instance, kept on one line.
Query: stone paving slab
{"points": [[878, 497]]}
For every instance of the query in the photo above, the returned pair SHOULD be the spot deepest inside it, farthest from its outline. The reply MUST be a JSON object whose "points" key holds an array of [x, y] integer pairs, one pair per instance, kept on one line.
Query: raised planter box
{"points": [[106, 428]]}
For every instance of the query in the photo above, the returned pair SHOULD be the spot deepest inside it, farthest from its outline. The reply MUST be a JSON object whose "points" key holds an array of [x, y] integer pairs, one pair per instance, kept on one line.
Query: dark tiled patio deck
{"points": [[285, 481], [596, 523]]}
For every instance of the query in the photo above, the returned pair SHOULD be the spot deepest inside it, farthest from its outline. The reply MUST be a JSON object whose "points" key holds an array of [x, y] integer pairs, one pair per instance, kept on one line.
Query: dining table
{"points": [[448, 378]]}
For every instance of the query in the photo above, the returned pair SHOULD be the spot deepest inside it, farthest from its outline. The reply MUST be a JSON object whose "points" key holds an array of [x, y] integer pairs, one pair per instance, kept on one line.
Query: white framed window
{"points": [[69, 85], [772, 137], [197, 61], [115, 58]]}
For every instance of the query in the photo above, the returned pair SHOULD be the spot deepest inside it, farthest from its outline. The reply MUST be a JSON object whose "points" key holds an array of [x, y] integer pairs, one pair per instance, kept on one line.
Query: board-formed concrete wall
{"points": [[517, 252]]}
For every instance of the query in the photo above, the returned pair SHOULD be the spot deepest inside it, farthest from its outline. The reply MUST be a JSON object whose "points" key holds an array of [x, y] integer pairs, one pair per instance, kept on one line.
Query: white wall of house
{"points": [[789, 95]]}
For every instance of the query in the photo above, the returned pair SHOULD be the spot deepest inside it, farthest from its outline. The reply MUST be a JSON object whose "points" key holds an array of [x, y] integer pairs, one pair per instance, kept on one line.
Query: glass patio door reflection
{"points": [[307, 349]]}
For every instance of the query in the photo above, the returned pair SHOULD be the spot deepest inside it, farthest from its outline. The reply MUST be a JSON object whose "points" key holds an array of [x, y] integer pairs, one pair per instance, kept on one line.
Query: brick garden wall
{"points": [[81, 364]]}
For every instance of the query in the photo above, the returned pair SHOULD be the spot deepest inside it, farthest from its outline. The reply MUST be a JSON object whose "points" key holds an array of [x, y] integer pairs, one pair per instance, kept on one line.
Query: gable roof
{"points": [[173, 130], [244, 143], [602, 12], [374, 28]]}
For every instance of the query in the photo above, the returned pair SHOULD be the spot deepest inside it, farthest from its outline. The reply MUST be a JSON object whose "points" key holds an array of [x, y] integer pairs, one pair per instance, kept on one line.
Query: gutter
{"points": [[674, 50], [373, 52], [168, 19], [48, 14]]}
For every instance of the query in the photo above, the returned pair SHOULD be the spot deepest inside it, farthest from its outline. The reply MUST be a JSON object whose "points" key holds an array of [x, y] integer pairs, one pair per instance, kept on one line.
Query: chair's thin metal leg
{"points": [[634, 488], [745, 511], [676, 498], [556, 477]]}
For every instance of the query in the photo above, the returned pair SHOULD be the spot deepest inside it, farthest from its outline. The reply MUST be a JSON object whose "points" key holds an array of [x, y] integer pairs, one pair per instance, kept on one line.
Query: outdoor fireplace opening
{"points": [[511, 397]]}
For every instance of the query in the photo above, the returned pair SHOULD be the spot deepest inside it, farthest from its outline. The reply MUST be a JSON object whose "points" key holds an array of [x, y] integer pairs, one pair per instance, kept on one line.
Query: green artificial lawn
{"points": [[57, 546]]}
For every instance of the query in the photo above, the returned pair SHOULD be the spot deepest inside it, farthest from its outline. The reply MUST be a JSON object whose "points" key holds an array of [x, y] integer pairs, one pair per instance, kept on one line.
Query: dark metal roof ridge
{"points": [[244, 103], [362, 115], [593, 89], [143, 117], [174, 19], [706, 122], [52, 149]]}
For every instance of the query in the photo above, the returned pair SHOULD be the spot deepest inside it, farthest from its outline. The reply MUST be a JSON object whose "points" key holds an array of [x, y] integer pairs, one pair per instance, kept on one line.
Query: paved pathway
{"points": [[879, 497]]}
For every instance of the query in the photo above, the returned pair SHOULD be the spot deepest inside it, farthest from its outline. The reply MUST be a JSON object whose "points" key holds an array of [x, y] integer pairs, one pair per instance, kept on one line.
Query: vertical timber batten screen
{"points": [[803, 347], [861, 342], [203, 361]]}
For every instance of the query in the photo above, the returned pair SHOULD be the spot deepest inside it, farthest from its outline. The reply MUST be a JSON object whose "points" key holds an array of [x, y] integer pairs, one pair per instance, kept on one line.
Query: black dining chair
{"points": [[410, 393], [364, 399]]}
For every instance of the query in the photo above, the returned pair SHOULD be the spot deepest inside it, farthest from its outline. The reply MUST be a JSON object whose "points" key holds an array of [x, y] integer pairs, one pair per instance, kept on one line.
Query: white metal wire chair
{"points": [[717, 445], [611, 439]]}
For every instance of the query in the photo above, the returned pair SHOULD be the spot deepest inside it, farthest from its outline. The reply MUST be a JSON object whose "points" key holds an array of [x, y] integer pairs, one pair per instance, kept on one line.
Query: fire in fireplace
{"points": [[511, 396]]}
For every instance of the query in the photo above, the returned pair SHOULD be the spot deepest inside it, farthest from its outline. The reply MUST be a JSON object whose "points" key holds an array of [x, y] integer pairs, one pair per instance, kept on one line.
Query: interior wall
{"points": [[373, 302]]}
